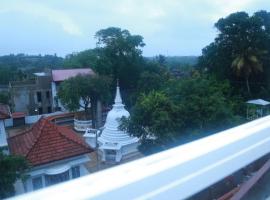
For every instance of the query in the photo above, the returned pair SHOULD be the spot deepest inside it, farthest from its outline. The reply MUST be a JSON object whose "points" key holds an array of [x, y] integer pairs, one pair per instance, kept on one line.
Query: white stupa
{"points": [[116, 144]]}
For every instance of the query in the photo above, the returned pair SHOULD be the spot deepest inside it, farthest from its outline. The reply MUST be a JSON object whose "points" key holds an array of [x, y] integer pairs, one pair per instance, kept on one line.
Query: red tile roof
{"points": [[18, 115], [46, 142], [63, 74], [4, 111]]}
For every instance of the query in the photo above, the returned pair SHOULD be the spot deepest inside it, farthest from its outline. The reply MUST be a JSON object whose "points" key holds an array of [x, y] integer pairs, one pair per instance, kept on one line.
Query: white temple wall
{"points": [[131, 148]]}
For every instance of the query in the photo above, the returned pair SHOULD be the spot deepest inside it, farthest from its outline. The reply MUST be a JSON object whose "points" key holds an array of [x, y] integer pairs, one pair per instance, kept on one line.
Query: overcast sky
{"points": [[169, 27]]}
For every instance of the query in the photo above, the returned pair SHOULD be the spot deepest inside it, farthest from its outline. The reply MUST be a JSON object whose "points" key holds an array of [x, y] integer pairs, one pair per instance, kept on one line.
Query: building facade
{"points": [[32, 97], [55, 153]]}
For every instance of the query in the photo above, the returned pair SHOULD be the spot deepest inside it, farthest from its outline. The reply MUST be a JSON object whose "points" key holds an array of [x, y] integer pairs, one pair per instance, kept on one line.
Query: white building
{"points": [[55, 153], [116, 144]]}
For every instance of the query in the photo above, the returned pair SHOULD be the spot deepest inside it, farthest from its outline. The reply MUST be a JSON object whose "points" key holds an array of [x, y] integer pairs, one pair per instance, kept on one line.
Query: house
{"points": [[55, 153], [4, 114], [61, 75], [32, 96]]}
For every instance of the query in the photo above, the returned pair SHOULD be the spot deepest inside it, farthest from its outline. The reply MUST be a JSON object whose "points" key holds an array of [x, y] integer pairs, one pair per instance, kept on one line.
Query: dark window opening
{"points": [[40, 110], [58, 178], [49, 109], [75, 172], [48, 94], [39, 99]]}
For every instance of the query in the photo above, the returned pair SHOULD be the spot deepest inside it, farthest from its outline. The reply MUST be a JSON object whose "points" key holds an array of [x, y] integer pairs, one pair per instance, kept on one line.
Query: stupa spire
{"points": [[118, 99]]}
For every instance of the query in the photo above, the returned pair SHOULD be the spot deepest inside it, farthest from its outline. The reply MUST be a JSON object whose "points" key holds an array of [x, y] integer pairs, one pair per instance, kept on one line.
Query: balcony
{"points": [[82, 125], [178, 173]]}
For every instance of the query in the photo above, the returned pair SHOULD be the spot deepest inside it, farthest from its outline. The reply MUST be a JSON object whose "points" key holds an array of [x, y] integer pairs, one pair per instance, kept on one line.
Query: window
{"points": [[48, 95], [37, 183], [75, 172], [58, 178], [49, 109], [39, 98], [40, 110]]}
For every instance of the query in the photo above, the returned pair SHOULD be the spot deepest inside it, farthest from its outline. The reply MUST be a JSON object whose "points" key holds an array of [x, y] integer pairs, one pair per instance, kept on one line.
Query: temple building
{"points": [[115, 144], [55, 154]]}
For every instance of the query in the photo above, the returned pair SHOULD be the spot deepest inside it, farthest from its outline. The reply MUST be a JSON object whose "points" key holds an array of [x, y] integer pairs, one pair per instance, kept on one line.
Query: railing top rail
{"points": [[177, 173]]}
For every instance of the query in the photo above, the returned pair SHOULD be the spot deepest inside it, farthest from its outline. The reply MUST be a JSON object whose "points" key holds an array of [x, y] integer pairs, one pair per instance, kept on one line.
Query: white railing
{"points": [[82, 125], [177, 173]]}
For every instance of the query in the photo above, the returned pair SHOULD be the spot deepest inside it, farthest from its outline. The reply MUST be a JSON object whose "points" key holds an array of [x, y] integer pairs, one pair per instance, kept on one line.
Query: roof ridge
{"points": [[39, 133]]}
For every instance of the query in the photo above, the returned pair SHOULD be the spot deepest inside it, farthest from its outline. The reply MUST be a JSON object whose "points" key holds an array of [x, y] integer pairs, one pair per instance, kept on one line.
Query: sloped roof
{"points": [[4, 111], [63, 74], [16, 115], [46, 142]]}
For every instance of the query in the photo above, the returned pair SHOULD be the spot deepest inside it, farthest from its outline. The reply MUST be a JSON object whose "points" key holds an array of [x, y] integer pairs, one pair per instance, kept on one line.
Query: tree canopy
{"points": [[181, 109], [120, 55], [83, 91], [241, 50], [11, 169]]}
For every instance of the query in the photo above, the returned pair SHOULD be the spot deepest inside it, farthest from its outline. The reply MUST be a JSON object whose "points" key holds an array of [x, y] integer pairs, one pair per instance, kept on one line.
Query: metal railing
{"points": [[177, 173]]}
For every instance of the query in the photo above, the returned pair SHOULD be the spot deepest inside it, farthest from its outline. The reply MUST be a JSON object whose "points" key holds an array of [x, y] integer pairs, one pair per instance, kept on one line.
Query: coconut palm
{"points": [[248, 63]]}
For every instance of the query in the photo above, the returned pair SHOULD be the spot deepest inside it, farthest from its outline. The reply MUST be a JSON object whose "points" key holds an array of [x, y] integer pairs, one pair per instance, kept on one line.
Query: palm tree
{"points": [[248, 63]]}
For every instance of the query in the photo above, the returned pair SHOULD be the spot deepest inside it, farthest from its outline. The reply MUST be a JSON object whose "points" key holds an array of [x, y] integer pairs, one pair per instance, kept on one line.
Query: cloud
{"points": [[44, 11], [168, 26]]}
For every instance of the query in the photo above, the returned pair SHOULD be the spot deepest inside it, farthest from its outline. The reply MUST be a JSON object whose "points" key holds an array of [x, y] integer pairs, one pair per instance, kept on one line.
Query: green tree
{"points": [[154, 119], [246, 64], [12, 168], [83, 59], [240, 49], [4, 97], [205, 104], [119, 56], [182, 110], [83, 91]]}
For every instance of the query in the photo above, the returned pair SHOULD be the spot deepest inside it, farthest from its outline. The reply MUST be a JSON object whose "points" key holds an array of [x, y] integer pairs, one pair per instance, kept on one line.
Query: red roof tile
{"points": [[4, 111], [63, 74], [46, 142], [18, 115]]}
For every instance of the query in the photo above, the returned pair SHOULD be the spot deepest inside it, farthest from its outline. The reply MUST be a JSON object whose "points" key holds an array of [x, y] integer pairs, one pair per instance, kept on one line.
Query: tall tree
{"points": [[241, 46], [119, 55], [247, 63], [11, 169]]}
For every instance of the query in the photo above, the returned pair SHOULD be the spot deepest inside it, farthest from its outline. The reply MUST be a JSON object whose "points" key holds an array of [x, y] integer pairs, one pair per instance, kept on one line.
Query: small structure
{"points": [[116, 144], [18, 118], [4, 114], [56, 154], [257, 108]]}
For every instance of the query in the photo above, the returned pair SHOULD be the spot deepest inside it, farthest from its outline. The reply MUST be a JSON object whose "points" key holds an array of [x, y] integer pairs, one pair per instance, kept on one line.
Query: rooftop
{"points": [[46, 142], [63, 74]]}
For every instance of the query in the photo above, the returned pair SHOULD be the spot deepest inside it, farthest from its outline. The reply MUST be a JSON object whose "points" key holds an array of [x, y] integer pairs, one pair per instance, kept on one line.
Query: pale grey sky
{"points": [[169, 27]]}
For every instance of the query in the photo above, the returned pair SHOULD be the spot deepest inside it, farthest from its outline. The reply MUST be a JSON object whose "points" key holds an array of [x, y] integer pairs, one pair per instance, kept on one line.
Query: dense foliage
{"points": [[83, 91], [4, 97], [21, 66], [240, 53], [11, 169], [181, 109]]}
